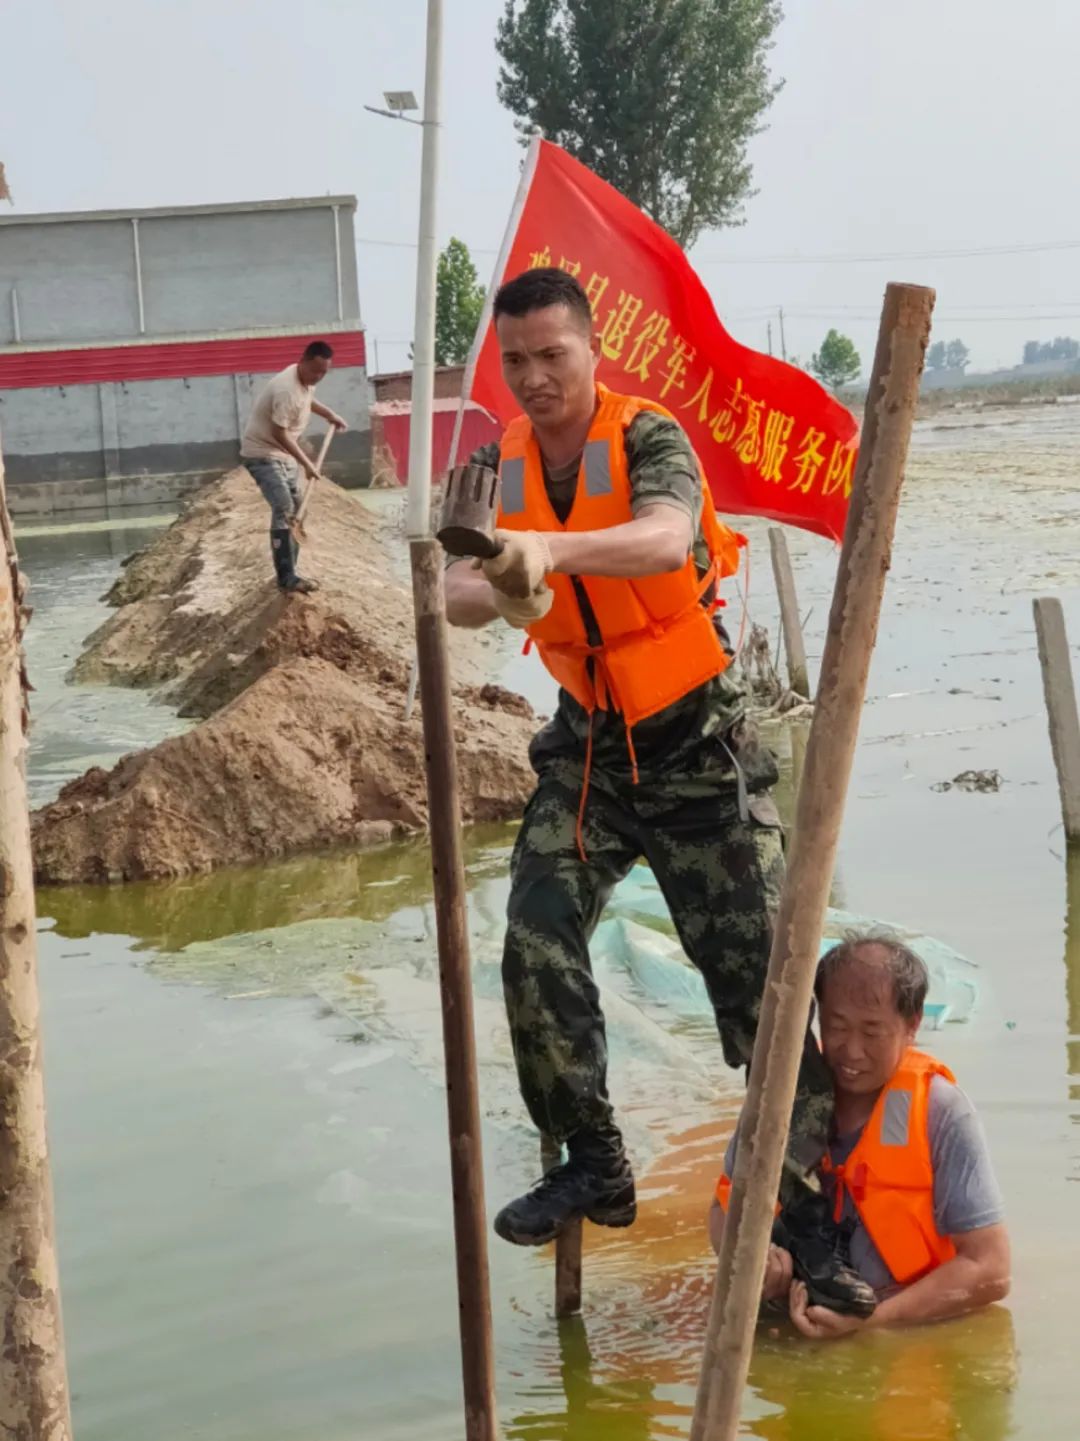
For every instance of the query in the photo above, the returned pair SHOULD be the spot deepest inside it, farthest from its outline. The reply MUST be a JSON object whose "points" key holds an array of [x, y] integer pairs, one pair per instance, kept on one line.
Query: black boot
{"points": [[819, 1257], [300, 583], [283, 549], [596, 1182]]}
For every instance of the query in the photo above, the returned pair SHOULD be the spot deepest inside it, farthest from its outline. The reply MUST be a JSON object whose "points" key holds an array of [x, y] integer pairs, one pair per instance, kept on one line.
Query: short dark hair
{"points": [[907, 972], [537, 289], [318, 350]]}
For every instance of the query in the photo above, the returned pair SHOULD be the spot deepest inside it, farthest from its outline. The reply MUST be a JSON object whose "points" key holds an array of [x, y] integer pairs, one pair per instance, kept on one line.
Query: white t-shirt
{"points": [[284, 401]]}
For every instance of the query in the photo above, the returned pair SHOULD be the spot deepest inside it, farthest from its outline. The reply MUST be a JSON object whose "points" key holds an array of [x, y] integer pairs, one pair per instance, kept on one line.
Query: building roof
{"points": [[239, 207]]}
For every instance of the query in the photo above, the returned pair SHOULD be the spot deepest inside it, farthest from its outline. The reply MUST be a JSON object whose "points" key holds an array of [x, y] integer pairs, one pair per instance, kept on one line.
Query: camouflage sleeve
{"points": [[662, 464]]}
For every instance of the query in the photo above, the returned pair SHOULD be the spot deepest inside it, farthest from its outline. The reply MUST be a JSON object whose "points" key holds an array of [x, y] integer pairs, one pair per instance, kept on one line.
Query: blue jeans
{"points": [[278, 481]]}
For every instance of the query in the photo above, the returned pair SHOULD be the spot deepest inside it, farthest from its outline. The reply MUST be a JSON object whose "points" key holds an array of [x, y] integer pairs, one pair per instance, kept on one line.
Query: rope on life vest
{"points": [[633, 754], [579, 832], [853, 1185]]}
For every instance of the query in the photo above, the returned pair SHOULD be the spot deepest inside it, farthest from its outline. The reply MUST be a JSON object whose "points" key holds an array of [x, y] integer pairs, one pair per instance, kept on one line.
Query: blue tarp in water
{"points": [[636, 936]]}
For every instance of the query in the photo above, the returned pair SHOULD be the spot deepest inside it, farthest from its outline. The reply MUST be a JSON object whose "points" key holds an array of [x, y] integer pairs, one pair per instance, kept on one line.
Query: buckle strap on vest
{"points": [[853, 1185]]}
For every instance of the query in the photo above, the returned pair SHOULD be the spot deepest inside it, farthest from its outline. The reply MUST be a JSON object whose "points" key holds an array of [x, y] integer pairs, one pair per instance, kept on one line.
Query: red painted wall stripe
{"points": [[169, 359], [393, 430]]}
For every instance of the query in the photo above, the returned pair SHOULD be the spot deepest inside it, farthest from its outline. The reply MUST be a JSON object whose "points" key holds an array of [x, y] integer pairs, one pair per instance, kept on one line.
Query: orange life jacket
{"points": [[889, 1174], [657, 638]]}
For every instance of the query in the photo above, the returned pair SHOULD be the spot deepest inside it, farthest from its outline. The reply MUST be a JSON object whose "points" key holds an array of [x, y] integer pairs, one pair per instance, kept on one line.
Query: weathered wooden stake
{"points": [[1060, 707], [1072, 964], [794, 649], [33, 1378], [860, 582], [567, 1246]]}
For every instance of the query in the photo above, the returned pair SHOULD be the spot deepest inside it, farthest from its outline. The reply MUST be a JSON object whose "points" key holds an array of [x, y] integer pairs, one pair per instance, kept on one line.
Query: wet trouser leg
{"points": [[277, 480], [721, 877], [552, 1001]]}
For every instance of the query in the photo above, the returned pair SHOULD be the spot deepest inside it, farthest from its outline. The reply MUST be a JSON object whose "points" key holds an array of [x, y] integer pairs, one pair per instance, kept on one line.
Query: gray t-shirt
{"points": [[966, 1192]]}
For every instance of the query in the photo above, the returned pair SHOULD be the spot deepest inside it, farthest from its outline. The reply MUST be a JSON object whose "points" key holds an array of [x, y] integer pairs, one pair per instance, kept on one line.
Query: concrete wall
{"points": [[202, 272], [253, 270], [146, 442]]}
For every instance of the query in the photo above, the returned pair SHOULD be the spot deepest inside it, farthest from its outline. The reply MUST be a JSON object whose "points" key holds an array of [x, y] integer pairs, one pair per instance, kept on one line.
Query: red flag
{"points": [[771, 440]]}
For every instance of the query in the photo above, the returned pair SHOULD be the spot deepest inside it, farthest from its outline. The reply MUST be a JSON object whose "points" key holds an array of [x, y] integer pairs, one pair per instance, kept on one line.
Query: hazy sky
{"points": [[904, 128]]}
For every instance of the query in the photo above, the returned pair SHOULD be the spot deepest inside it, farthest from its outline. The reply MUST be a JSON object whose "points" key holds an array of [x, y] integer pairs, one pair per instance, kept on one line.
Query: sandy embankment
{"points": [[301, 741]]}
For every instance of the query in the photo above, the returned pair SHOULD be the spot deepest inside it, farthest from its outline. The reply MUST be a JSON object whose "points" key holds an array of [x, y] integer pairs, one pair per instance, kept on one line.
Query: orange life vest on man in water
{"points": [[657, 641], [889, 1174]]}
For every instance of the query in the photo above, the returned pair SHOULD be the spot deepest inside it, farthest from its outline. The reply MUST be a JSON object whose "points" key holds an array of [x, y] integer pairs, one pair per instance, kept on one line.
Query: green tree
{"points": [[957, 355], [837, 363], [459, 299], [935, 356], [659, 97]]}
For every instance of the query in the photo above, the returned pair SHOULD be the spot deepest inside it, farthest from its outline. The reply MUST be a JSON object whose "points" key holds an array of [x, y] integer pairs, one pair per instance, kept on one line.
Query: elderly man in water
{"points": [[916, 1206]]}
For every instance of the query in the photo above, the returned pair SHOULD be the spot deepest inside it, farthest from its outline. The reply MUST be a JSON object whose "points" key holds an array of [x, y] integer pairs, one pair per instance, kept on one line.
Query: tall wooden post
{"points": [[444, 805], [1072, 966], [33, 1379], [860, 583], [794, 649], [455, 985], [1061, 710]]}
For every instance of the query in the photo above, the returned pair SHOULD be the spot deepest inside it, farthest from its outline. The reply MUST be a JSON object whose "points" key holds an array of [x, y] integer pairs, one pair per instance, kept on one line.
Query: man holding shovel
{"points": [[610, 561], [271, 451]]}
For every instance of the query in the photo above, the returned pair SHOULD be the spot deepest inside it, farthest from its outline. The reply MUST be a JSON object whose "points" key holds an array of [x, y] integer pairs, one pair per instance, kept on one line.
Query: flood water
{"points": [[244, 1070]]}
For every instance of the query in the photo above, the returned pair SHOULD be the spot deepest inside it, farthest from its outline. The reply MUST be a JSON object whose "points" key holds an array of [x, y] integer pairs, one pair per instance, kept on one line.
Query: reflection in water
{"points": [[932, 1383], [366, 885], [577, 1407]]}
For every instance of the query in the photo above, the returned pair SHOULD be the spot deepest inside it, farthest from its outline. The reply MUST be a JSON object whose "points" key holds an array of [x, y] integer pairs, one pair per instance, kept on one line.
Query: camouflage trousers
{"points": [[720, 874]]}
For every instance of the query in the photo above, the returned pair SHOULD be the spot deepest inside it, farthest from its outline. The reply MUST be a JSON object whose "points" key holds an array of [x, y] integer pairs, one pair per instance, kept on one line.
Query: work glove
{"points": [[527, 611], [518, 570]]}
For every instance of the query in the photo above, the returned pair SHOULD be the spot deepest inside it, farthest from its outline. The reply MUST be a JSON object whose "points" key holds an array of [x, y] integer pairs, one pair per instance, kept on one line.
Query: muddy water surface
{"points": [[244, 1070]]}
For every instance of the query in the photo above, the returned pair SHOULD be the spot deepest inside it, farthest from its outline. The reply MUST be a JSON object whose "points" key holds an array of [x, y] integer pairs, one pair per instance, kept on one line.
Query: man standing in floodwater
{"points": [[611, 560], [907, 1169], [272, 452]]}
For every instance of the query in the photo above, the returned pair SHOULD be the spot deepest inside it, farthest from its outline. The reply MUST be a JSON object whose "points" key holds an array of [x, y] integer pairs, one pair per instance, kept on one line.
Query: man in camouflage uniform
{"points": [[697, 808]]}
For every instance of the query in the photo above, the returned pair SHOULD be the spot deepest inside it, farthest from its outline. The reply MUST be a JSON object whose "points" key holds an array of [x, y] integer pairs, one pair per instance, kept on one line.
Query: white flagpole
{"points": [[528, 170]]}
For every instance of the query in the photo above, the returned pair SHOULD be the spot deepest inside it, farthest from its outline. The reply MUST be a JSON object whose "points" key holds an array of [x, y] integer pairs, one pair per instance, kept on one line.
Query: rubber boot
{"points": [[819, 1257], [281, 547], [301, 584], [596, 1183]]}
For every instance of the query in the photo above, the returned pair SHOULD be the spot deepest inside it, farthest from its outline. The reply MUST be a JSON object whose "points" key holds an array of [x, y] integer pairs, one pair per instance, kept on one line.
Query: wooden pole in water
{"points": [[1072, 963], [860, 582], [567, 1246], [33, 1378], [1060, 707], [795, 650], [444, 807]]}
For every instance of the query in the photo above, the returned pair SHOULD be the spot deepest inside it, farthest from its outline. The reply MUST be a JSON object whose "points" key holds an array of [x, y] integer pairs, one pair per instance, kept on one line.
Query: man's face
{"points": [[313, 369], [863, 1035], [549, 360]]}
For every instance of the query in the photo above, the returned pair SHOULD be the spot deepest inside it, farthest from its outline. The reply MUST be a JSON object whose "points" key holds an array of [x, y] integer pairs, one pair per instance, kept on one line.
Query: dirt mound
{"points": [[303, 742]]}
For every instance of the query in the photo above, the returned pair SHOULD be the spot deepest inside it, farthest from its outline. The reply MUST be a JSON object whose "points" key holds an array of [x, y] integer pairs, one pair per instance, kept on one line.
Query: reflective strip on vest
{"points": [[597, 468], [512, 490], [896, 1119]]}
